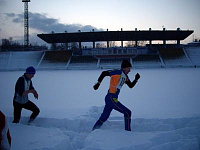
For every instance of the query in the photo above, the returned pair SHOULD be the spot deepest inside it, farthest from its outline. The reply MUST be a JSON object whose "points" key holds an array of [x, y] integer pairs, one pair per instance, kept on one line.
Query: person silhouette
{"points": [[117, 80]]}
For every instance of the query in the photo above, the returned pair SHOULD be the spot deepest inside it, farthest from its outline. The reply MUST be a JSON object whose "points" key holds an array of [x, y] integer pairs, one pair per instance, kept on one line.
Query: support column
{"points": [[66, 46], [178, 41], [93, 39], [93, 44], [66, 43], [79, 45], [164, 41], [108, 41], [79, 42], [122, 44], [136, 42], [108, 44], [150, 41]]}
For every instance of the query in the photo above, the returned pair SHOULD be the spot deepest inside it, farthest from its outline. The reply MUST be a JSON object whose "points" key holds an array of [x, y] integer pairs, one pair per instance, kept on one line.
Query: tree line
{"points": [[10, 45]]}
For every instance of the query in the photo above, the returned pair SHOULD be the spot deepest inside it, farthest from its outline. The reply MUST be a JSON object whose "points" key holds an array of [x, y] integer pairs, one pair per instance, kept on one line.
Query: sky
{"points": [[74, 15]]}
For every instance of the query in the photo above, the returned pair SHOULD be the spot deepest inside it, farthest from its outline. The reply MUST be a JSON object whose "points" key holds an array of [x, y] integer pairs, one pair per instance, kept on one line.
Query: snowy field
{"points": [[165, 107]]}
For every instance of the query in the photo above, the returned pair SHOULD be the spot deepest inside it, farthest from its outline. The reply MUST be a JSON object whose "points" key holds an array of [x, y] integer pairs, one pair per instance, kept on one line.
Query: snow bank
{"points": [[27, 137], [146, 134]]}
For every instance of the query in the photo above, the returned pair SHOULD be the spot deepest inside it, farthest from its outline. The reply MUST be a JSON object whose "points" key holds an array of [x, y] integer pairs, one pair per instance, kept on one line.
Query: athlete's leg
{"points": [[17, 111], [106, 113], [32, 107], [104, 116], [127, 113]]}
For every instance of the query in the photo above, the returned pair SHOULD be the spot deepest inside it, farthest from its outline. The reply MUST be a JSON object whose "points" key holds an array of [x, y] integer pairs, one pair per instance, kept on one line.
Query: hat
{"points": [[30, 70], [125, 64]]}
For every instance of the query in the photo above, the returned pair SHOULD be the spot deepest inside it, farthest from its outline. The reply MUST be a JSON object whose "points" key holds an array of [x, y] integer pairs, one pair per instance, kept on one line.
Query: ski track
{"points": [[147, 134]]}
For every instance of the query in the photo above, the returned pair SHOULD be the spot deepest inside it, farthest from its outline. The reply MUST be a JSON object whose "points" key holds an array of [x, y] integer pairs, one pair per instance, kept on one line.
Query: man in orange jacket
{"points": [[118, 78]]}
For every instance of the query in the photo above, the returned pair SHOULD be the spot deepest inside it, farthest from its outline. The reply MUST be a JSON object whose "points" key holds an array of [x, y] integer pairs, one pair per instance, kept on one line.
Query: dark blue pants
{"points": [[113, 103], [29, 106]]}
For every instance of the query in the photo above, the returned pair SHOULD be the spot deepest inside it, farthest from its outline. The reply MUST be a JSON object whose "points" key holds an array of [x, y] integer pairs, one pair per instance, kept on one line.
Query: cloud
{"points": [[44, 24], [16, 18], [11, 15], [2, 2]]}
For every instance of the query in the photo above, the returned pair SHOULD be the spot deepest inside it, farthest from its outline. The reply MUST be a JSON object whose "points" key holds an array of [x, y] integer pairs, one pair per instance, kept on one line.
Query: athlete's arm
{"points": [[103, 74], [19, 87], [132, 84], [101, 77], [31, 90]]}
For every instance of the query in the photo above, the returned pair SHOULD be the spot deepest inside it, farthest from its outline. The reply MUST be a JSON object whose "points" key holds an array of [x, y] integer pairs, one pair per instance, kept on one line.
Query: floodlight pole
{"points": [[26, 24]]}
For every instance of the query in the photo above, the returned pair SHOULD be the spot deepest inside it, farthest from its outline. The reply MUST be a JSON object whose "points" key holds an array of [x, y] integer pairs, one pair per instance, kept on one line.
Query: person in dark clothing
{"points": [[23, 87], [118, 78]]}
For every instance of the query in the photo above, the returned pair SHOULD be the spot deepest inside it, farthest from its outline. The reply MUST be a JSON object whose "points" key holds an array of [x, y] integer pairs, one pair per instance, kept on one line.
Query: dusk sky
{"points": [[73, 15]]}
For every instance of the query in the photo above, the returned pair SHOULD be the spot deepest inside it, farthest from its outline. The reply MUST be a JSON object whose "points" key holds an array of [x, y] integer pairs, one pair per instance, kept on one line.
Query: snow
{"points": [[164, 103]]}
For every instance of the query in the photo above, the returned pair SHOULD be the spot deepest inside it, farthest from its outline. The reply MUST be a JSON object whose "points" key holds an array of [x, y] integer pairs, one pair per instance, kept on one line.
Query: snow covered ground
{"points": [[165, 111]]}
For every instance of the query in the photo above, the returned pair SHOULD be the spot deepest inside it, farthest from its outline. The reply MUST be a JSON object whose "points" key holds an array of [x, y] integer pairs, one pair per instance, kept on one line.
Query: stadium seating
{"points": [[4, 58], [146, 61], [55, 60], [194, 55], [174, 57], [83, 62], [20, 60], [187, 56], [110, 63]]}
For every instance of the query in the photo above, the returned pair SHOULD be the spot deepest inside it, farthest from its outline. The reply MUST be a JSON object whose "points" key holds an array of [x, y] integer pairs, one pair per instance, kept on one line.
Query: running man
{"points": [[118, 78], [23, 87]]}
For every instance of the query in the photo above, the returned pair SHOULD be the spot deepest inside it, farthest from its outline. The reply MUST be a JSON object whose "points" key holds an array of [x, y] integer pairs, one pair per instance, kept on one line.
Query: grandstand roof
{"points": [[116, 36]]}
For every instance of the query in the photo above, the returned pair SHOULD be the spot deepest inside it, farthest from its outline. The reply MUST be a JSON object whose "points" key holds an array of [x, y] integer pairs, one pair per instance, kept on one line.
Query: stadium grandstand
{"points": [[147, 56]]}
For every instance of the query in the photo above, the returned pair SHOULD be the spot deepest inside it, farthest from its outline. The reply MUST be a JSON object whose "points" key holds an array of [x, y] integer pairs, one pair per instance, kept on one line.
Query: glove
{"points": [[137, 76], [96, 86]]}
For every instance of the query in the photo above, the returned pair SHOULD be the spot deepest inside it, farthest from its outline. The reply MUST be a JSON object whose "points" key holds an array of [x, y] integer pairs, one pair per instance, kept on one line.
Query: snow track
{"points": [[165, 111], [146, 134]]}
